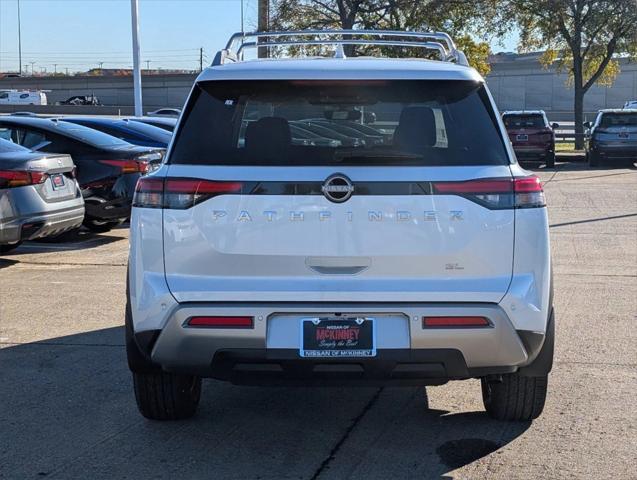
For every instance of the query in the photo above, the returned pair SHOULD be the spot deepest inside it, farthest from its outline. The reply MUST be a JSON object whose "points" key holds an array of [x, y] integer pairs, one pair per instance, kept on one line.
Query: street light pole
{"points": [[137, 73], [19, 42]]}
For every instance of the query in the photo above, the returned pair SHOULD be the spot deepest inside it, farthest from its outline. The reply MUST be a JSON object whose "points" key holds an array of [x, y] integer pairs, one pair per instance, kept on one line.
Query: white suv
{"points": [[340, 220]]}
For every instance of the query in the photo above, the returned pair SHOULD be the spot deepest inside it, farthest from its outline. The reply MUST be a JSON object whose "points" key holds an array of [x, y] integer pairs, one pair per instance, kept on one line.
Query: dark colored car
{"points": [[130, 131], [81, 100], [612, 138], [166, 123], [107, 167], [531, 135]]}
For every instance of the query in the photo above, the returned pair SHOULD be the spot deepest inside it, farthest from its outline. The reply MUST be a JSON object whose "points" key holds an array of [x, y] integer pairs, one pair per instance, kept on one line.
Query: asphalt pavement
{"points": [[67, 409]]}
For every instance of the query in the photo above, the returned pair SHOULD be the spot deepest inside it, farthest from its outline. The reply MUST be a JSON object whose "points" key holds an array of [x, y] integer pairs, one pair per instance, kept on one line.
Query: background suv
{"points": [[413, 260], [532, 136], [612, 138]]}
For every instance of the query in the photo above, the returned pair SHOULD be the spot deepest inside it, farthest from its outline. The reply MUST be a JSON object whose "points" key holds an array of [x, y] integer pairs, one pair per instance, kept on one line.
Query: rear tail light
{"points": [[179, 193], [497, 193], [455, 322], [221, 322], [15, 178], [128, 166]]}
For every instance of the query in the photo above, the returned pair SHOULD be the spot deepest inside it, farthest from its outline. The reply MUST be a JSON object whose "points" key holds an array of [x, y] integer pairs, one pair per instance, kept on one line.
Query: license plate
{"points": [[57, 181], [522, 138], [338, 337]]}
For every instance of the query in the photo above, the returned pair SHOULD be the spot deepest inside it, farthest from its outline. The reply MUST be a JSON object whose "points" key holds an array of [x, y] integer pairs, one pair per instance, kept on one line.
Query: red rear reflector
{"points": [[221, 322], [444, 322]]}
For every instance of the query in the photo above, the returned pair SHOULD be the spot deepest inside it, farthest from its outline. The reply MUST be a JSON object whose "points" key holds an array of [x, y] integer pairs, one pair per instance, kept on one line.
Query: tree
{"points": [[459, 18], [583, 37]]}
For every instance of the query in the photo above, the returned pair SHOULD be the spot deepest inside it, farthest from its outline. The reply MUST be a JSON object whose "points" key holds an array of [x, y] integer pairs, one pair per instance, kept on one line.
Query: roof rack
{"points": [[439, 42]]}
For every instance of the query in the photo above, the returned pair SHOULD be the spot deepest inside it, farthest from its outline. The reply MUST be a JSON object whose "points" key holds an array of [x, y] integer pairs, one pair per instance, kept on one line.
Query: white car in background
{"points": [[630, 104], [165, 112], [23, 97]]}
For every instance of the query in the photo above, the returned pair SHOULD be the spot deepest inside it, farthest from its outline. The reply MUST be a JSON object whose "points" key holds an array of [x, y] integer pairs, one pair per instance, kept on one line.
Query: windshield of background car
{"points": [[92, 137], [376, 122], [619, 120], [523, 121]]}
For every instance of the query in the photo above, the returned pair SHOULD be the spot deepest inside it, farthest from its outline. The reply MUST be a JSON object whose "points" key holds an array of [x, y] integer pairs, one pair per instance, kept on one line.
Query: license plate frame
{"points": [[57, 181], [340, 337]]}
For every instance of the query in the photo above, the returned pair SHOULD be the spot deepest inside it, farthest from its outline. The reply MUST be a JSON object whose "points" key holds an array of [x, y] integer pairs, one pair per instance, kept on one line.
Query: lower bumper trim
{"points": [[389, 367]]}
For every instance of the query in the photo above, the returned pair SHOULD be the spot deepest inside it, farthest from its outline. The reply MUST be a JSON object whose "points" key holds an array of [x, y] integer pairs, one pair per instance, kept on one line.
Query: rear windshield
{"points": [[93, 137], [618, 119], [150, 131], [524, 121], [339, 123]]}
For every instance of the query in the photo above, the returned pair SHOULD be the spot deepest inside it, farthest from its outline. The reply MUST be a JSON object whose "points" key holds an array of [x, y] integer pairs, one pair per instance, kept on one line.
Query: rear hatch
{"points": [[251, 215], [618, 129], [528, 130]]}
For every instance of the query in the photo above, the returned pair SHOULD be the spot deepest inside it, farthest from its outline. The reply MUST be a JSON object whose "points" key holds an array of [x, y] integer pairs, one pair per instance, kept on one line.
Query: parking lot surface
{"points": [[67, 408]]}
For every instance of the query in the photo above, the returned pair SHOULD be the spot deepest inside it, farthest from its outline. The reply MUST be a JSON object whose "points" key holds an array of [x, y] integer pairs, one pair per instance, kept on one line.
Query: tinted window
{"points": [[524, 121], [91, 136], [358, 123], [618, 119], [150, 131]]}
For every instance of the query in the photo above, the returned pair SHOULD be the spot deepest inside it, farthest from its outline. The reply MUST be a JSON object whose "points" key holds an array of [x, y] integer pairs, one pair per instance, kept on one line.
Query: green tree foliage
{"points": [[581, 37], [458, 18]]}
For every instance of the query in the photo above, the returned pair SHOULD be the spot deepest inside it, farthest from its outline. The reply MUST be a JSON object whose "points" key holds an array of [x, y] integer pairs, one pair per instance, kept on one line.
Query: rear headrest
{"points": [[268, 137], [416, 129]]}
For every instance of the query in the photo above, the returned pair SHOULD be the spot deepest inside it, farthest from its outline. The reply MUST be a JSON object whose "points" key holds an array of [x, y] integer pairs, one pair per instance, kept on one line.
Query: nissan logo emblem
{"points": [[337, 188]]}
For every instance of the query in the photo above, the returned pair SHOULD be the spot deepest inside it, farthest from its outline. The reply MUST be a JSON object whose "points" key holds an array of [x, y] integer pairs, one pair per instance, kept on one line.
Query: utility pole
{"points": [[201, 59], [32, 63], [148, 64], [19, 41], [242, 16], [263, 24], [55, 69], [137, 73]]}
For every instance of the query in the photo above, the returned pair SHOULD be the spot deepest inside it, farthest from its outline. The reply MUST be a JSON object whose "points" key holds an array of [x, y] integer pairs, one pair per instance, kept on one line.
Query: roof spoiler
{"points": [[438, 42]]}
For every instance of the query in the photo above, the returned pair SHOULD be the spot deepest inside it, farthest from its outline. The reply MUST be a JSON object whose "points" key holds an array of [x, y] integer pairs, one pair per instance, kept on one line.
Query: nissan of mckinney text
{"points": [[398, 244]]}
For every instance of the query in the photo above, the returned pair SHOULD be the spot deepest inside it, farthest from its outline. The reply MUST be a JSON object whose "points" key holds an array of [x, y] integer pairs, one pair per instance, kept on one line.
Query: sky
{"points": [[79, 34]]}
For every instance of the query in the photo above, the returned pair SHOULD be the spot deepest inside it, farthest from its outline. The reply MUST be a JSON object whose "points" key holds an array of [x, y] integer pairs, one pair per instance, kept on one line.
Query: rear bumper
{"points": [[407, 352], [527, 151], [616, 152], [39, 225]]}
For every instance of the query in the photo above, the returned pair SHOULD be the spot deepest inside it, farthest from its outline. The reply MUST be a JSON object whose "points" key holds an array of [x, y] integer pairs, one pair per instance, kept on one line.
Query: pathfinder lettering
{"points": [[326, 215]]}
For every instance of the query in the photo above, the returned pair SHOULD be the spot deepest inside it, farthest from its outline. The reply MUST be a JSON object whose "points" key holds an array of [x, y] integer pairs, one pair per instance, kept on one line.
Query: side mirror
{"points": [[555, 126], [588, 124]]}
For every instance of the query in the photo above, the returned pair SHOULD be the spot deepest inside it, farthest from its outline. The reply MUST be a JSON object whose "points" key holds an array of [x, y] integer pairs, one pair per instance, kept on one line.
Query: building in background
{"points": [[520, 82]]}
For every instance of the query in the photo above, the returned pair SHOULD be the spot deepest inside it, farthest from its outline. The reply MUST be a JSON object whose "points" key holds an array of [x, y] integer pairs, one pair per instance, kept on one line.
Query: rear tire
{"points": [[593, 160], [516, 397], [8, 247], [167, 396], [100, 226], [550, 160]]}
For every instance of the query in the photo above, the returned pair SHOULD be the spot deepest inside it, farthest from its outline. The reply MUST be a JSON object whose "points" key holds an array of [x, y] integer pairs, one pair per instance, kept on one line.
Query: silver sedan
{"points": [[39, 195]]}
